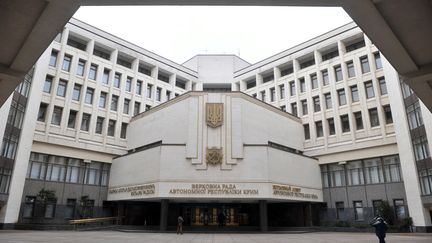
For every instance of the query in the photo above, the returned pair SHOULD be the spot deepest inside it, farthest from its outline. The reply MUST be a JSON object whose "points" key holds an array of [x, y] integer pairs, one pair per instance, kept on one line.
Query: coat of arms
{"points": [[214, 156], [214, 114]]}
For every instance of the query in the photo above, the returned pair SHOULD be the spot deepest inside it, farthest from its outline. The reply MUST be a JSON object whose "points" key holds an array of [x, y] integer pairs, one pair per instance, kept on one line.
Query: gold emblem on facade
{"points": [[214, 114], [214, 156]]}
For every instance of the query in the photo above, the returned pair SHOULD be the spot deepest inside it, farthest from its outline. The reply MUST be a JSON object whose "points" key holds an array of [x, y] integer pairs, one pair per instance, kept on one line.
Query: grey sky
{"points": [[179, 32]]}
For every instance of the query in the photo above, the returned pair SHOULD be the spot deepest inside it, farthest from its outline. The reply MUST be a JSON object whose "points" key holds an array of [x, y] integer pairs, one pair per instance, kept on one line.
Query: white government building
{"points": [[321, 133]]}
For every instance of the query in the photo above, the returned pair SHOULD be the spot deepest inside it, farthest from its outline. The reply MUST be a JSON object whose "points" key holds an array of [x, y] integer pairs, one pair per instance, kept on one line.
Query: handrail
{"points": [[92, 220]]}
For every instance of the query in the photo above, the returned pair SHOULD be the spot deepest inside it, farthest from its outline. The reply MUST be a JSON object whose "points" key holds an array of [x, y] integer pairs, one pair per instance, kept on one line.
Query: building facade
{"points": [[355, 116]]}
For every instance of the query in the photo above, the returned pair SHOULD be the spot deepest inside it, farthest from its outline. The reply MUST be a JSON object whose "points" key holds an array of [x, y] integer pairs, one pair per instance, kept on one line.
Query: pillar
{"points": [[308, 214], [164, 215], [263, 215]]}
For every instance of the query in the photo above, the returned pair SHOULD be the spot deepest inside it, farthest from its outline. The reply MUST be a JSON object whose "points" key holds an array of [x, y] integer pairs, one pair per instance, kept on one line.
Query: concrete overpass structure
{"points": [[401, 29]]}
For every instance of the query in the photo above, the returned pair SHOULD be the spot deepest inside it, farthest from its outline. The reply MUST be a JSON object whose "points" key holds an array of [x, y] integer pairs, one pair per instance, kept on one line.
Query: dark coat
{"points": [[380, 229]]}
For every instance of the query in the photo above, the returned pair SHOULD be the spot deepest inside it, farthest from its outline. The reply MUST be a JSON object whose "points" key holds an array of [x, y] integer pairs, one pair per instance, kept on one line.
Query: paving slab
{"points": [[22, 236]]}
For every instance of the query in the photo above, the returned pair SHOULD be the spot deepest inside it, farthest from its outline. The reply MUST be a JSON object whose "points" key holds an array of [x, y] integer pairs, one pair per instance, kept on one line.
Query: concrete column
{"points": [[308, 214], [164, 215], [263, 215]]}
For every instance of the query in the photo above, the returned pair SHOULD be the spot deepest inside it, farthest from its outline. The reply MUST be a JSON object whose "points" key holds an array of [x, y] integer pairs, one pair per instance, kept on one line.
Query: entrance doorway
{"points": [[215, 214]]}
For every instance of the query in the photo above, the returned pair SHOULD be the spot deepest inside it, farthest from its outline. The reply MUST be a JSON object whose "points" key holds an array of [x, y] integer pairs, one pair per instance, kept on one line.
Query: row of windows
{"points": [[88, 99], [116, 82], [325, 79], [345, 123], [341, 97], [50, 208], [63, 169], [398, 205], [57, 115], [359, 172]]}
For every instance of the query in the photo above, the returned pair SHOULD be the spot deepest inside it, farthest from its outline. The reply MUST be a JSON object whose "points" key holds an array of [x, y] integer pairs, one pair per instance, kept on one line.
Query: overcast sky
{"points": [[179, 33]]}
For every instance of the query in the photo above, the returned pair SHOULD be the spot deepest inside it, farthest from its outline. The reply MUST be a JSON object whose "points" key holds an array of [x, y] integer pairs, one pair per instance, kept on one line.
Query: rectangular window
{"points": [[283, 108], [114, 102], [294, 109], [268, 78], [111, 128], [123, 130], [263, 95], [354, 93], [355, 173], [67, 60], [168, 95], [158, 94], [369, 89], [126, 106], [292, 88], [350, 69], [56, 169], [105, 77], [149, 90], [426, 181], [358, 120], [80, 67], [72, 118], [182, 83], [102, 99], [89, 96], [358, 210], [378, 63], [325, 176], [29, 205], [331, 125], [399, 207], [85, 122], [286, 71], [391, 166], [42, 112], [328, 101], [337, 175], [48, 84], [138, 89], [147, 107], [70, 208], [341, 97], [383, 86], [340, 208], [76, 94], [319, 129], [373, 171], [316, 104], [250, 83], [57, 115], [421, 148], [137, 109], [306, 131], [302, 85], [272, 94], [364, 64], [61, 88], [387, 114], [53, 58], [93, 71], [373, 116], [338, 73], [345, 123], [415, 118], [377, 204], [325, 77], [99, 125], [282, 91], [116, 82], [314, 81], [128, 86], [165, 77], [304, 107]]}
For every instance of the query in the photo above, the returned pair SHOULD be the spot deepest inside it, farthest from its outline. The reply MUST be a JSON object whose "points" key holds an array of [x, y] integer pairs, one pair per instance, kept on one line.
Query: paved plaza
{"points": [[9, 236]]}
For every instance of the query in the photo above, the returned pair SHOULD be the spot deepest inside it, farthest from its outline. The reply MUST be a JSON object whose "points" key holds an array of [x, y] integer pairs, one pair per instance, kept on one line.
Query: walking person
{"points": [[180, 224], [380, 228]]}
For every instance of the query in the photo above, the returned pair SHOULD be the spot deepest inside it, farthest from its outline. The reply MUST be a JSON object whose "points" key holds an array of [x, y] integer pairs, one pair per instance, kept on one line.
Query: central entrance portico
{"points": [[221, 160]]}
